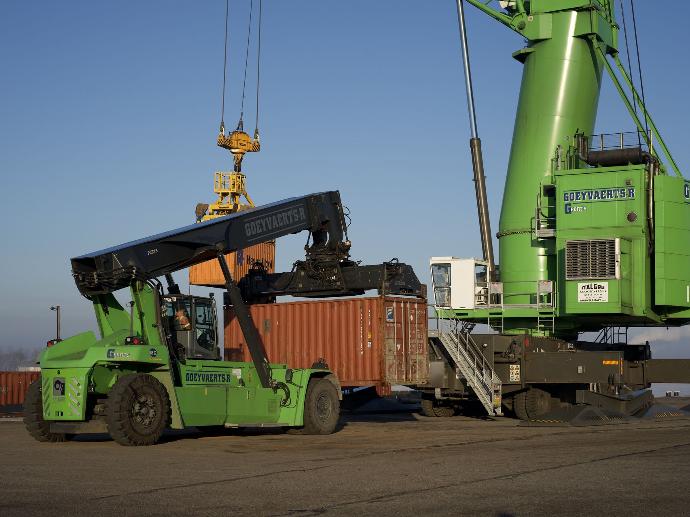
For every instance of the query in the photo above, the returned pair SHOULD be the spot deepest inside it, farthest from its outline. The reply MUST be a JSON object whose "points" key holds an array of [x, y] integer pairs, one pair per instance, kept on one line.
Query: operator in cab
{"points": [[182, 320]]}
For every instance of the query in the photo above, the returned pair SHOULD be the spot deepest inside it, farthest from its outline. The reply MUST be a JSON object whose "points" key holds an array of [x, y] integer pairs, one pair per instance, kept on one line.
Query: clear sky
{"points": [[109, 113]]}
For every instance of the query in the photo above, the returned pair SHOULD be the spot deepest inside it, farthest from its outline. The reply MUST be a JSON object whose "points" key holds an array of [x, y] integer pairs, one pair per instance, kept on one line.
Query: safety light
{"points": [[133, 340], [53, 342]]}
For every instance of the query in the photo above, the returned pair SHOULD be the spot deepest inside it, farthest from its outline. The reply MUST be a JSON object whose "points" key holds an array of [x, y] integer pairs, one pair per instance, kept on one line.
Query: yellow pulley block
{"points": [[238, 143]]}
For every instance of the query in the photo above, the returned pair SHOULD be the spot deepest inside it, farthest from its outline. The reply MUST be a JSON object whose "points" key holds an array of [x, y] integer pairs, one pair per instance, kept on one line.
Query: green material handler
{"points": [[594, 235]]}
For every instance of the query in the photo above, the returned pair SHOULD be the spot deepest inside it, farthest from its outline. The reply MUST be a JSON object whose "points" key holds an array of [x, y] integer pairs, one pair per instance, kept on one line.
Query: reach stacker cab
{"points": [[193, 323], [157, 364]]}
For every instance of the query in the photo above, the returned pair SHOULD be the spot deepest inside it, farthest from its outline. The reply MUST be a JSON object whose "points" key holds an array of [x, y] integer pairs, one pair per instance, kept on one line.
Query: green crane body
{"points": [[561, 81], [555, 202]]}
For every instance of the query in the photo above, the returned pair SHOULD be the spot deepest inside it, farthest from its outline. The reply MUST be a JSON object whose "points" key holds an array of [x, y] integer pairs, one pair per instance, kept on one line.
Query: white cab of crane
{"points": [[460, 283]]}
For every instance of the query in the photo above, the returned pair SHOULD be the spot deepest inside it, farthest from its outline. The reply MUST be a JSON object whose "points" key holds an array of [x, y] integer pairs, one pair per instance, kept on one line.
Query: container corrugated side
{"points": [[209, 273], [13, 387], [368, 341]]}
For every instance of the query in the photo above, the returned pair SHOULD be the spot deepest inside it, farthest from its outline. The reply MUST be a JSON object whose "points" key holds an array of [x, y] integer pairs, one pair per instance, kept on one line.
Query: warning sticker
{"points": [[514, 373], [390, 314], [593, 292]]}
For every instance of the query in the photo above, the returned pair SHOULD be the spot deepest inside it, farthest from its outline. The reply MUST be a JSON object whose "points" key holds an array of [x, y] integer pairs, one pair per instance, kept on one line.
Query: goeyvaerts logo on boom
{"points": [[276, 221], [576, 200]]}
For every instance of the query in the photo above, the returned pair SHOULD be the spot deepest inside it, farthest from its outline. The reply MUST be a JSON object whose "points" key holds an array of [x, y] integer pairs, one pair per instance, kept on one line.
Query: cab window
{"points": [[205, 325]]}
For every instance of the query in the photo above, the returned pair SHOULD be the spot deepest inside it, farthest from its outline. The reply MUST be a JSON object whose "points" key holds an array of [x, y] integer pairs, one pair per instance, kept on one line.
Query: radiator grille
{"points": [[591, 259]]}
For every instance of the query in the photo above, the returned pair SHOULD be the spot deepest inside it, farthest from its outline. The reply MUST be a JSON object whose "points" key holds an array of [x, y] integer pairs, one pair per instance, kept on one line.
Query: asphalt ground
{"points": [[386, 464]]}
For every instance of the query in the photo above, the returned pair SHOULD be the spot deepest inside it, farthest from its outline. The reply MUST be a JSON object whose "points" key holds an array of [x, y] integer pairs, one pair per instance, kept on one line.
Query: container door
{"points": [[405, 349], [394, 342]]}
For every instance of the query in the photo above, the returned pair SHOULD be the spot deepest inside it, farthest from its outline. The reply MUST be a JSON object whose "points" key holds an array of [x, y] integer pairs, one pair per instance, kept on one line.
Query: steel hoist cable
{"points": [[627, 54], [240, 124], [225, 68], [639, 65], [258, 71]]}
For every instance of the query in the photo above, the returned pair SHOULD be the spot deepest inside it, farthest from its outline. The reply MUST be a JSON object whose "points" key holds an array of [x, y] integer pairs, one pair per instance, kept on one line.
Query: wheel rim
{"points": [[324, 407], [144, 411]]}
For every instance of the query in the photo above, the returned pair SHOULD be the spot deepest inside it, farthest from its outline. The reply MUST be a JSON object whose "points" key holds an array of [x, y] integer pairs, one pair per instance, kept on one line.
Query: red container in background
{"points": [[13, 387], [377, 341]]}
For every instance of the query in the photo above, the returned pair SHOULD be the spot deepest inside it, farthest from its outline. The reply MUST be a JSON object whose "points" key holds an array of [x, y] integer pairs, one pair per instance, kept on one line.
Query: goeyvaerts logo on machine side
{"points": [[265, 225], [207, 378], [576, 200]]}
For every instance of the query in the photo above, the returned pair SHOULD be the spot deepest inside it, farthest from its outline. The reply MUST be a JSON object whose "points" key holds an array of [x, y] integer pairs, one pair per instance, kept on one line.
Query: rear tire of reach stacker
{"points": [[33, 416], [321, 408], [138, 410]]}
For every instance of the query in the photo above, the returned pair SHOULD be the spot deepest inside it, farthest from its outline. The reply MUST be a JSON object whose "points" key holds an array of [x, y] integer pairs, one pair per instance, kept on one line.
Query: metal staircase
{"points": [[474, 367], [546, 309]]}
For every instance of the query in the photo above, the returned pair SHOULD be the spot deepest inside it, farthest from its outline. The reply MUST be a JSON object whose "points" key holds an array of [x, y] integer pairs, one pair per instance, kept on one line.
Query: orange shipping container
{"points": [[377, 341], [209, 274], [13, 387]]}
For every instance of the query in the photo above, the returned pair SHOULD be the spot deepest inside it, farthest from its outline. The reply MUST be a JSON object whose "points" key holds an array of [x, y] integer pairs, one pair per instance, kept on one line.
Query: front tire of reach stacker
{"points": [[33, 416], [321, 408], [138, 410]]}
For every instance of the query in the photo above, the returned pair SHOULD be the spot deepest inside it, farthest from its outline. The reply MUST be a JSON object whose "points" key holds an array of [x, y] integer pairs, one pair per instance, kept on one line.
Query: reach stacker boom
{"points": [[157, 365]]}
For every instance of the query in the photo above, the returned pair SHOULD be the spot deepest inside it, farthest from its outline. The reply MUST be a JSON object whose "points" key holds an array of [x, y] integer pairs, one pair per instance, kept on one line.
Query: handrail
{"points": [[470, 361]]}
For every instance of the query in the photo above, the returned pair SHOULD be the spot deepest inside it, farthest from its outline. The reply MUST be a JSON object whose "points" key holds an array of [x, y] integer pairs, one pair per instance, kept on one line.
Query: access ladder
{"points": [[474, 367]]}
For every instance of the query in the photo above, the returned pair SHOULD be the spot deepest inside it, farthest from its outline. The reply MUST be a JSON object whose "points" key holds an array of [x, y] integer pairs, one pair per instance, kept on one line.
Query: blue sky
{"points": [[109, 113]]}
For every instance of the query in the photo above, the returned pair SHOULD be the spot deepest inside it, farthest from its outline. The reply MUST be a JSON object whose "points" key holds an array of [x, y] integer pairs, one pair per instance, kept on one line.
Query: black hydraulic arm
{"points": [[114, 268], [314, 279], [251, 335]]}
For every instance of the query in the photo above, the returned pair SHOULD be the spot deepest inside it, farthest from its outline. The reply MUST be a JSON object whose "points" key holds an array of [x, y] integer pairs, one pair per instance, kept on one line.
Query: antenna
{"points": [[56, 308]]}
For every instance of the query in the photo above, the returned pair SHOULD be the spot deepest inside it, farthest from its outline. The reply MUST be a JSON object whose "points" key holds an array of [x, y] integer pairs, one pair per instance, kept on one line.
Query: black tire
{"points": [[433, 409], [33, 416], [321, 408], [531, 403], [137, 410]]}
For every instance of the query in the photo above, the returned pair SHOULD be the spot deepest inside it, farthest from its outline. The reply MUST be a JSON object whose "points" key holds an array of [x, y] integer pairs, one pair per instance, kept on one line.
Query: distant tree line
{"points": [[12, 359]]}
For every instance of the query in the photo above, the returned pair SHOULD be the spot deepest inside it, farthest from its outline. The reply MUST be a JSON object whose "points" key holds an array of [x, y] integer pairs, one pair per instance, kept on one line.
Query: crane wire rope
{"points": [[225, 69], [240, 124], [627, 54], [258, 70], [639, 69]]}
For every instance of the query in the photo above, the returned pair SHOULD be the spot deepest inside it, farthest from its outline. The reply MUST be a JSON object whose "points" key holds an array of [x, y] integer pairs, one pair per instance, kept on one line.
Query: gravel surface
{"points": [[390, 464]]}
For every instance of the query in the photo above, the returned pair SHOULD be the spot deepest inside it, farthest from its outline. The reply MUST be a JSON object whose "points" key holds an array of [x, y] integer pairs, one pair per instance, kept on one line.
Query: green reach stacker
{"points": [[594, 234], [158, 364]]}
